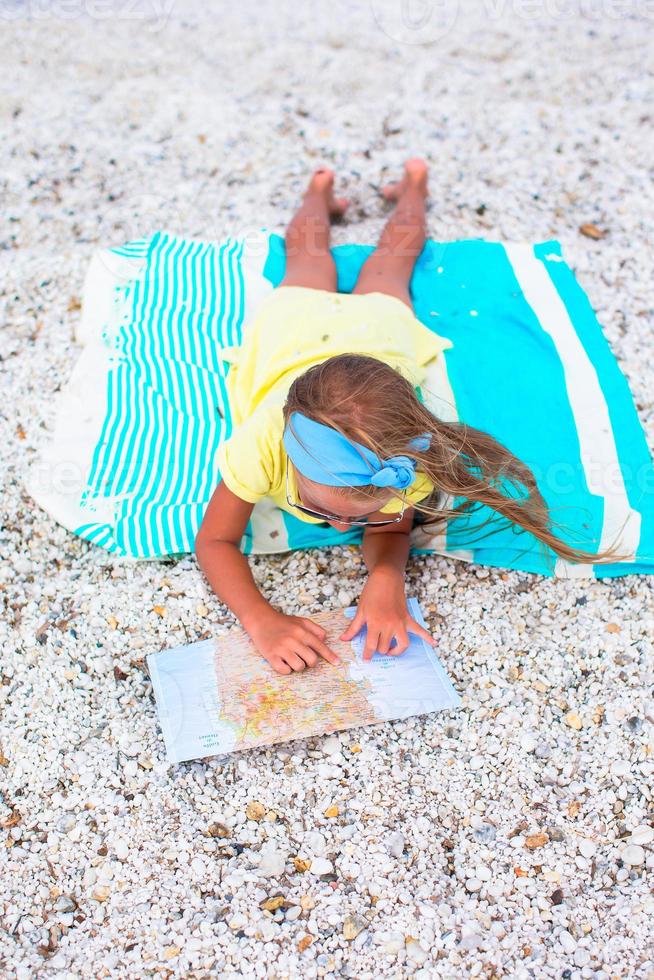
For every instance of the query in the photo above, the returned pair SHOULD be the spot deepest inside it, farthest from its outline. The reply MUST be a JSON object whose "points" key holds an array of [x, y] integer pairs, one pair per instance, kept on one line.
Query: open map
{"points": [[220, 695]]}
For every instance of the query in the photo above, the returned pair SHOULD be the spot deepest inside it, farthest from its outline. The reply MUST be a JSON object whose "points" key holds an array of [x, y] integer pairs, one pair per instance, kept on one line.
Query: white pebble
{"points": [[321, 866], [633, 855], [415, 951], [272, 863], [642, 835]]}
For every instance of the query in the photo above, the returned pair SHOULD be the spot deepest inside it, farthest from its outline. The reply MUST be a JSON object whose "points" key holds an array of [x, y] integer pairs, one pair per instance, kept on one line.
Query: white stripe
{"points": [[599, 454]]}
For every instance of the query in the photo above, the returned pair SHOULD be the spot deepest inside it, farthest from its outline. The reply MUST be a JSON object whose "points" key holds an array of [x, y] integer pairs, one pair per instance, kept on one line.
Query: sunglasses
{"points": [[336, 517]]}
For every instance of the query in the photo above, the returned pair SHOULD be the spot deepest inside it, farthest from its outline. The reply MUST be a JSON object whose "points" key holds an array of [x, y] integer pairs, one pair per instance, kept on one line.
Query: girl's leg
{"points": [[308, 259], [389, 268]]}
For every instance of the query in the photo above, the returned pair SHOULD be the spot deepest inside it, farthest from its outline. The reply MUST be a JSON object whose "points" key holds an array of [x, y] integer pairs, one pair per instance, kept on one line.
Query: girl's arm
{"points": [[287, 642], [382, 607], [387, 547]]}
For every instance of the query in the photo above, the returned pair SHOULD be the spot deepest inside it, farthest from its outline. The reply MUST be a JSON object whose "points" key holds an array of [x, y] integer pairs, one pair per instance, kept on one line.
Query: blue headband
{"points": [[334, 461]]}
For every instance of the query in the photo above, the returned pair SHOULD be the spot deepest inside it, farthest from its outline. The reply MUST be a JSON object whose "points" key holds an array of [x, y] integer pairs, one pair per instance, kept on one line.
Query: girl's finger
{"points": [[322, 649], [279, 666], [308, 655], [417, 628], [354, 627], [402, 642], [320, 631], [385, 640], [372, 640], [293, 661]]}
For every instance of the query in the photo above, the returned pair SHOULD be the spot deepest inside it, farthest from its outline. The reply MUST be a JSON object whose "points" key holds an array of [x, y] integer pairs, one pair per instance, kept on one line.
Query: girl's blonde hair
{"points": [[373, 404]]}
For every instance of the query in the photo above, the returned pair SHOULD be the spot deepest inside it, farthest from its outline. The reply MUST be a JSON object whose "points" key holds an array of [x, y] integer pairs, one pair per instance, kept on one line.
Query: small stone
{"points": [[582, 956], [332, 811], [620, 768], [589, 230], [331, 745], [304, 943], [66, 822], [65, 904], [414, 951], [396, 845], [272, 863], [485, 834], [218, 830], [568, 942], [121, 849], [633, 855], [642, 835], [290, 915], [301, 864], [307, 902], [272, 904], [573, 721], [171, 952], [101, 893], [352, 926], [321, 866], [587, 848], [255, 810], [473, 885], [535, 841]]}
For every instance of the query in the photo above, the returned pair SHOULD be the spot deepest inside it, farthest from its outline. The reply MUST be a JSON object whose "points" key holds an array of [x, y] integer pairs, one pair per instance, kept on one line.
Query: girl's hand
{"points": [[290, 643], [382, 608]]}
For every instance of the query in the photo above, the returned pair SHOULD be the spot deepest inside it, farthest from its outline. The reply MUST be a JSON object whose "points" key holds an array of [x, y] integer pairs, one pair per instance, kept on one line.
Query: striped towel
{"points": [[131, 465]]}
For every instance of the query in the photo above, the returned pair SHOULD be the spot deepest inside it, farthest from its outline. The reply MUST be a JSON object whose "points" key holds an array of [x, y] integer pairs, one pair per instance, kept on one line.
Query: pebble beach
{"points": [[511, 838]]}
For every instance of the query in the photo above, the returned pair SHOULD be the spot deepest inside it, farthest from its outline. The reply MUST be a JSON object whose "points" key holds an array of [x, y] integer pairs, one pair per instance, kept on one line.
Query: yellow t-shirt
{"points": [[294, 328]]}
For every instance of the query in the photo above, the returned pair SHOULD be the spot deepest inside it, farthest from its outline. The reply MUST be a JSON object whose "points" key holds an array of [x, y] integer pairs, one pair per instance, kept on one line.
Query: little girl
{"points": [[329, 423]]}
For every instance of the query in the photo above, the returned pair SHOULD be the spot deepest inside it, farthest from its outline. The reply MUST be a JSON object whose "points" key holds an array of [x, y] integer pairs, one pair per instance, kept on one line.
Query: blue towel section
{"points": [[530, 365]]}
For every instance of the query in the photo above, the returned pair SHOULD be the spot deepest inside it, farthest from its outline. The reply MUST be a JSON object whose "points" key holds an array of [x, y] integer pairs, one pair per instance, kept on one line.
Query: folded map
{"points": [[219, 695]]}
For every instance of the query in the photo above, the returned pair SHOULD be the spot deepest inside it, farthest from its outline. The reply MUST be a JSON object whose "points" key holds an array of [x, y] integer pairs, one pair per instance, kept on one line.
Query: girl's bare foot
{"points": [[415, 177], [322, 183]]}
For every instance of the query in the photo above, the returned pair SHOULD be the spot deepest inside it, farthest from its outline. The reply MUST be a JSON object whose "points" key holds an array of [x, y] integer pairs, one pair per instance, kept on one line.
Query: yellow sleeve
{"points": [[250, 461], [419, 489]]}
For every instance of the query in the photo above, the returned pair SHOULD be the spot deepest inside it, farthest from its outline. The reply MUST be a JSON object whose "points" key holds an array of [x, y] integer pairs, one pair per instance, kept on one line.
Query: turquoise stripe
{"points": [[136, 249]]}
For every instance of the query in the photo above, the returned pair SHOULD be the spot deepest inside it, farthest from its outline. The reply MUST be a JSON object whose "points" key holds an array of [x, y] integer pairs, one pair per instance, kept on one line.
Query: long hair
{"points": [[373, 404]]}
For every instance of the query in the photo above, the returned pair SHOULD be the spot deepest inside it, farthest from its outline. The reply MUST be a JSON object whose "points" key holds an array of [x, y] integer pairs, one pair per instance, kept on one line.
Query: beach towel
{"points": [[131, 463]]}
